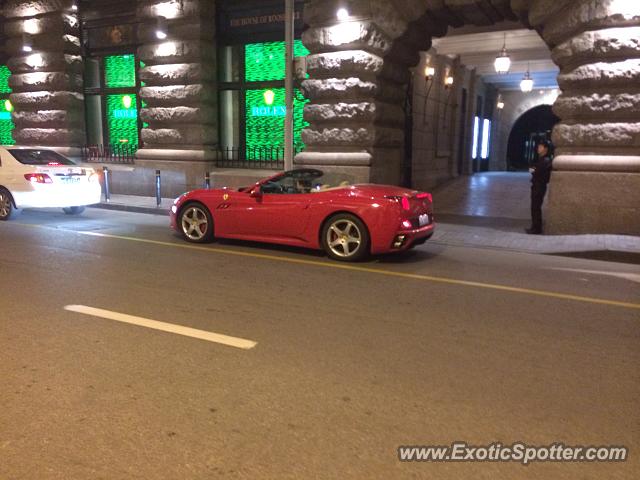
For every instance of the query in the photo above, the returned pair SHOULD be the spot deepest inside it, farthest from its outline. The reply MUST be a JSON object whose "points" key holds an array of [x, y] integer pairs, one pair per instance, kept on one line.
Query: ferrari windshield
{"points": [[305, 180]]}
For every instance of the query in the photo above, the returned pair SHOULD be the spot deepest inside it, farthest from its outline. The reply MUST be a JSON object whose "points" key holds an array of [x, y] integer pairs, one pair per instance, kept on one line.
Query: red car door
{"points": [[281, 215], [270, 216]]}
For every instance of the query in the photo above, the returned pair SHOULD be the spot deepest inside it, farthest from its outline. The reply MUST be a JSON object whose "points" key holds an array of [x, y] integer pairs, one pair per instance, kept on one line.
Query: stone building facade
{"points": [[358, 73]]}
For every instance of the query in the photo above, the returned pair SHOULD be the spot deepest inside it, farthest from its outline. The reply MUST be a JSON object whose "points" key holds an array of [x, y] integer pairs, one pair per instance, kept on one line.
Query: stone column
{"points": [[595, 186], [46, 82], [180, 90]]}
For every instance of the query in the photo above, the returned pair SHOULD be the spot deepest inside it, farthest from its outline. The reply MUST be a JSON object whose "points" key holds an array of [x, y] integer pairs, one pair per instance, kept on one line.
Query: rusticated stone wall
{"points": [[599, 74], [180, 77], [596, 44], [47, 82]]}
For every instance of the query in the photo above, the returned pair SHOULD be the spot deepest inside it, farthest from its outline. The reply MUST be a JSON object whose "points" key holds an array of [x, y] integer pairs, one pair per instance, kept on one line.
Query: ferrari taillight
{"points": [[424, 195], [38, 178], [404, 201]]}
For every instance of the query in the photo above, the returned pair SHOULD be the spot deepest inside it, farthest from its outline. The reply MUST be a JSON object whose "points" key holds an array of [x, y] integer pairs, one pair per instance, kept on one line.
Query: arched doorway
{"points": [[535, 124]]}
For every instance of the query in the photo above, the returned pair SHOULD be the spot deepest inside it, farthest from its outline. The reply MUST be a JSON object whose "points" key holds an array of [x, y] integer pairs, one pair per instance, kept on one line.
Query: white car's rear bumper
{"points": [[58, 196]]}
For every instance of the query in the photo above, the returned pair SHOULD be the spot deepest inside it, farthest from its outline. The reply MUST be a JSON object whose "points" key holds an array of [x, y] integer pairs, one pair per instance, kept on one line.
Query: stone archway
{"points": [[358, 70]]}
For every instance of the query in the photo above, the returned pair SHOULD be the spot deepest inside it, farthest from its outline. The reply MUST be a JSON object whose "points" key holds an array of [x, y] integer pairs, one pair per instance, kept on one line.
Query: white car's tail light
{"points": [[38, 178], [94, 178]]}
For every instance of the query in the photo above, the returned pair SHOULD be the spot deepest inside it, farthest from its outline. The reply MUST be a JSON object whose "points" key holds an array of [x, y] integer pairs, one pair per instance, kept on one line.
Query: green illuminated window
{"points": [[6, 108], [122, 119], [252, 81], [111, 100], [120, 71], [265, 115], [265, 61]]}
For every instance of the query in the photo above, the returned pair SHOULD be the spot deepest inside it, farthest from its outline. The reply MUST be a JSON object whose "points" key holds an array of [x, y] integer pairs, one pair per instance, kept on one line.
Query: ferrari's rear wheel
{"points": [[345, 238], [196, 223]]}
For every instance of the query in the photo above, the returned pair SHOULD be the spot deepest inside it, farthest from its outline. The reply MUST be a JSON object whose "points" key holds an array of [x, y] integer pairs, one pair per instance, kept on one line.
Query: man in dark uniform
{"points": [[540, 175]]}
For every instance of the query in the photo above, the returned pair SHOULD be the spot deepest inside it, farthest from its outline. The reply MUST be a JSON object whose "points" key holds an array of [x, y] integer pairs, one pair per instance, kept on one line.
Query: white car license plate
{"points": [[423, 219], [70, 180]]}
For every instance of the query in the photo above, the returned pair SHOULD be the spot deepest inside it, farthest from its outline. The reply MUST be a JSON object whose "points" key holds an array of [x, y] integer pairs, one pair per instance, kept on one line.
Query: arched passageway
{"points": [[532, 126], [359, 68]]}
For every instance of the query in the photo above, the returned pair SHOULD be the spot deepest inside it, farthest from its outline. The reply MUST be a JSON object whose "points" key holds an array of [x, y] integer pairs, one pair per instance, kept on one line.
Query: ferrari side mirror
{"points": [[256, 192]]}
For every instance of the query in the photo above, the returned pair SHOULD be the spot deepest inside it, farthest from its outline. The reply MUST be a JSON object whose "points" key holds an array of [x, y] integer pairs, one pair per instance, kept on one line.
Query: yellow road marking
{"points": [[355, 268], [163, 326]]}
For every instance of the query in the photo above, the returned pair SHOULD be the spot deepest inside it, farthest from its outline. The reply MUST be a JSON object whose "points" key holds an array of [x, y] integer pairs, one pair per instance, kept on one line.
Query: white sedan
{"points": [[40, 178]]}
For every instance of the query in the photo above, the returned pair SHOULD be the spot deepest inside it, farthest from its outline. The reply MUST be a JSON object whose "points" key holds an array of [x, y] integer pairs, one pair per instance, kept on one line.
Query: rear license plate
{"points": [[70, 179], [423, 219]]}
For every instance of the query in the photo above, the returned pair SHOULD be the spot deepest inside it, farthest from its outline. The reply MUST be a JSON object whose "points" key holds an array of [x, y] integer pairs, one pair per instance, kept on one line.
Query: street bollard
{"points": [[158, 185], [107, 194], [207, 180]]}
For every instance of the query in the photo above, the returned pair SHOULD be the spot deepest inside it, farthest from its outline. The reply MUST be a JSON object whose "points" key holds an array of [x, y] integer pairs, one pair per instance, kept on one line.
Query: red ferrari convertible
{"points": [[307, 208]]}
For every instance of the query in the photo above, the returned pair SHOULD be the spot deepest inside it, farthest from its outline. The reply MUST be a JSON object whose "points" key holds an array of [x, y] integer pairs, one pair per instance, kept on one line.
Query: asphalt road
{"points": [[438, 345]]}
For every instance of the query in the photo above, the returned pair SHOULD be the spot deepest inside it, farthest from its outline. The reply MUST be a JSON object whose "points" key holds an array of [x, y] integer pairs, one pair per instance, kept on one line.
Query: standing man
{"points": [[540, 175]]}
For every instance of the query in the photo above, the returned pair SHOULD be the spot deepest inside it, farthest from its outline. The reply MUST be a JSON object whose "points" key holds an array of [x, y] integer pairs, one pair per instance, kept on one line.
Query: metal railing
{"points": [[108, 153], [252, 157]]}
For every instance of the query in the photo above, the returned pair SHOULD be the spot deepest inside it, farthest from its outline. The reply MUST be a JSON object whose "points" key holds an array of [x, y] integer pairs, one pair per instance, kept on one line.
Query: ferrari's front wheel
{"points": [[345, 238], [196, 223]]}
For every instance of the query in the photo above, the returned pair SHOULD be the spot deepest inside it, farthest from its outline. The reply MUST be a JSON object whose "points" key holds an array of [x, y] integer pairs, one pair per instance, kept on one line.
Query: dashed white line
{"points": [[163, 326]]}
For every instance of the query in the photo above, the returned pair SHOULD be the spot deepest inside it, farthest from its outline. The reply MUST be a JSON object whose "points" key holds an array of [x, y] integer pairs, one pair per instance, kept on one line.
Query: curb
{"points": [[132, 208]]}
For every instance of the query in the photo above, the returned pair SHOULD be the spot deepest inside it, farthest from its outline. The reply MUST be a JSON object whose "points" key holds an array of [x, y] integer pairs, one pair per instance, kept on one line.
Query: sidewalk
{"points": [[135, 203], [461, 230]]}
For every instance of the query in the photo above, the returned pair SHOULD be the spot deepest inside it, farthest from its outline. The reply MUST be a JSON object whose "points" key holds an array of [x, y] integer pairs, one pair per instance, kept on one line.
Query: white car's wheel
{"points": [[73, 210], [7, 209]]}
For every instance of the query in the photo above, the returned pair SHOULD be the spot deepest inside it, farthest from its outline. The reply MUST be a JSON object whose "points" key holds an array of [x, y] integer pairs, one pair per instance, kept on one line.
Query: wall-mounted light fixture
{"points": [[448, 81], [161, 28], [429, 72], [74, 6], [500, 102], [27, 44], [526, 85], [448, 87], [502, 63]]}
